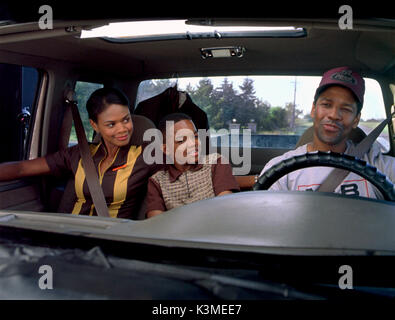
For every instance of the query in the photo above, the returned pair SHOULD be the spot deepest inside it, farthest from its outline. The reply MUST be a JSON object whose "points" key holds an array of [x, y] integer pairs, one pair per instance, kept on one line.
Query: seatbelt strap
{"points": [[337, 175], [65, 129], [92, 178]]}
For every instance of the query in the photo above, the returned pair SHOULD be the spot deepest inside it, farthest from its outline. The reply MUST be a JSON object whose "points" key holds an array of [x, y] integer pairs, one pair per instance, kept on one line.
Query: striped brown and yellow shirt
{"points": [[124, 183]]}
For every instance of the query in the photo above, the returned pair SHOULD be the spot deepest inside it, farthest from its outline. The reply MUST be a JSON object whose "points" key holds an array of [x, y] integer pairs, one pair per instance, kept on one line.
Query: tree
{"points": [[289, 107], [151, 88], [278, 118], [225, 103], [204, 97], [83, 90], [203, 94], [308, 117], [261, 115], [247, 110], [247, 90]]}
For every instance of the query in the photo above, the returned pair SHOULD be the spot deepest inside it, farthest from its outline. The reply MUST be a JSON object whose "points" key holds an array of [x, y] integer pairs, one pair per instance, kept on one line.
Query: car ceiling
{"points": [[369, 47]]}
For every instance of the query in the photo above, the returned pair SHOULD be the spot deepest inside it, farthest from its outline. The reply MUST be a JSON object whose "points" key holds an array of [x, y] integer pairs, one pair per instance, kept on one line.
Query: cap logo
{"points": [[344, 76]]}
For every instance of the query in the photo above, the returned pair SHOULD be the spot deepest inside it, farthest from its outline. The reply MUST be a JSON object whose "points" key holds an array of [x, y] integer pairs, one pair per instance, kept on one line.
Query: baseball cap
{"points": [[346, 77]]}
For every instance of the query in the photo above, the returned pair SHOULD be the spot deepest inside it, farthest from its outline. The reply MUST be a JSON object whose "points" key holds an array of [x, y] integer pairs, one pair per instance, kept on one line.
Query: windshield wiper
{"points": [[214, 283]]}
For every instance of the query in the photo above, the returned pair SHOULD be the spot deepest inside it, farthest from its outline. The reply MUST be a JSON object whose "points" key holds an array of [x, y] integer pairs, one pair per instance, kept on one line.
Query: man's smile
{"points": [[331, 128]]}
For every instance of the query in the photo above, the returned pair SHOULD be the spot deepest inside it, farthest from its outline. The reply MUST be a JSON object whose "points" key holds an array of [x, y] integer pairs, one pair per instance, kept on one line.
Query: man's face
{"points": [[335, 114], [186, 143]]}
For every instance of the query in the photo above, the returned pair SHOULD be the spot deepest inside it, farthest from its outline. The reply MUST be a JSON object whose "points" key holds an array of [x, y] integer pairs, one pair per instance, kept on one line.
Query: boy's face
{"points": [[186, 144]]}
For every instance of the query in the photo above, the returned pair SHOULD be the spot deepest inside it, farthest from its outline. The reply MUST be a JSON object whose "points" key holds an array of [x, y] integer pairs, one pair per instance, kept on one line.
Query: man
{"points": [[336, 110], [185, 180]]}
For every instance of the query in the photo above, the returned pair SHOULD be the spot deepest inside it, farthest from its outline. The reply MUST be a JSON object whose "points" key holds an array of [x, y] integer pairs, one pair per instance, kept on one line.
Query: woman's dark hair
{"points": [[102, 98]]}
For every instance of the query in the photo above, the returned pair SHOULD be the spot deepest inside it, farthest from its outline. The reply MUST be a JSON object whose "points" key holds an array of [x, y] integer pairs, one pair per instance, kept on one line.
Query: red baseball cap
{"points": [[346, 77]]}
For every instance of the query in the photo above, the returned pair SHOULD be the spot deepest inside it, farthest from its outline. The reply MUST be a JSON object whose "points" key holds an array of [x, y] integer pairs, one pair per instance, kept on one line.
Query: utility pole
{"points": [[293, 111]]}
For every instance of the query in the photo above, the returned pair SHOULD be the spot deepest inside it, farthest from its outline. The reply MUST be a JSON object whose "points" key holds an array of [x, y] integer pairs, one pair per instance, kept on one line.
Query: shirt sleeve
{"points": [[223, 179], [384, 163], [154, 196], [60, 162]]}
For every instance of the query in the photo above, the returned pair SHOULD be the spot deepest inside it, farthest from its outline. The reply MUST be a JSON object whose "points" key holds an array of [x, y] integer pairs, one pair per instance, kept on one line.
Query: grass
{"points": [[300, 126], [370, 125]]}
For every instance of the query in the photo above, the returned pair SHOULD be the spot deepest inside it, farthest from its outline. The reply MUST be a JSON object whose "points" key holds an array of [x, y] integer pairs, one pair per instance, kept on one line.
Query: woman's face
{"points": [[115, 125]]}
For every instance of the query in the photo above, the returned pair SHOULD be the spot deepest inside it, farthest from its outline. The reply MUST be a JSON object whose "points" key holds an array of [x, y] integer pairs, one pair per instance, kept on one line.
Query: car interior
{"points": [[47, 63], [253, 244]]}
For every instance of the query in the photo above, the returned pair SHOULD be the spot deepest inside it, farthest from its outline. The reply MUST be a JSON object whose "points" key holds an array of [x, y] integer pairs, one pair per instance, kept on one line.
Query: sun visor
{"points": [[376, 50]]}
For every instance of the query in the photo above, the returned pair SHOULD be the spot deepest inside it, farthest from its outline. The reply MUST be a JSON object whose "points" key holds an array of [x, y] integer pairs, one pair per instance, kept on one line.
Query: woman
{"points": [[122, 172]]}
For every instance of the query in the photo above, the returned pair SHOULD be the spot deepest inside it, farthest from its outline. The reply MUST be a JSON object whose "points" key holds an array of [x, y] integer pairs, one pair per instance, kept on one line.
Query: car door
{"points": [[18, 90]]}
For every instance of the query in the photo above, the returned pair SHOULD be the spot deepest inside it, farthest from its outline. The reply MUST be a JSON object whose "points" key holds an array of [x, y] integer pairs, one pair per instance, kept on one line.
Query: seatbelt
{"points": [[89, 167], [65, 129], [337, 175]]}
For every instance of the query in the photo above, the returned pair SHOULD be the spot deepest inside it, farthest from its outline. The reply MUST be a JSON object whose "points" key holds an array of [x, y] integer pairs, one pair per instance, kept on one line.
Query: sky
{"points": [[278, 90]]}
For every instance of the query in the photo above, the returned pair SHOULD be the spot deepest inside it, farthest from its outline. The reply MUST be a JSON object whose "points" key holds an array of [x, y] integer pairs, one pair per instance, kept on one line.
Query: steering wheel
{"points": [[328, 159]]}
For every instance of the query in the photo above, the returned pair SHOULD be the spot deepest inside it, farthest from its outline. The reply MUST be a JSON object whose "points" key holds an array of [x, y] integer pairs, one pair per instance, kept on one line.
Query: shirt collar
{"points": [[120, 158]]}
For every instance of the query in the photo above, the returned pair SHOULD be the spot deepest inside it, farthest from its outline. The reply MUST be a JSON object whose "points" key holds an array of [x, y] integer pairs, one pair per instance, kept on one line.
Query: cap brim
{"points": [[326, 86]]}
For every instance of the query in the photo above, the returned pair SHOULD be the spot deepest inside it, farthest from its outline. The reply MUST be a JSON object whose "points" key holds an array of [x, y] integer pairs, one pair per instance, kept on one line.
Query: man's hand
{"points": [[246, 182]]}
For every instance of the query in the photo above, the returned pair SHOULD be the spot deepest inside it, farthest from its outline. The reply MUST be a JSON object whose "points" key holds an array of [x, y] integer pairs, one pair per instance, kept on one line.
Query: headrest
{"points": [[140, 125]]}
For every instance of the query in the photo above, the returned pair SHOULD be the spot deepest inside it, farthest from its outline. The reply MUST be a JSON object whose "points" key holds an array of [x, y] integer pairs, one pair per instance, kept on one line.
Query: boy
{"points": [[186, 180]]}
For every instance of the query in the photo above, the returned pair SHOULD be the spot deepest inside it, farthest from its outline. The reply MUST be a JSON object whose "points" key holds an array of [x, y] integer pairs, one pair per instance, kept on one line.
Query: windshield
{"points": [[277, 106]]}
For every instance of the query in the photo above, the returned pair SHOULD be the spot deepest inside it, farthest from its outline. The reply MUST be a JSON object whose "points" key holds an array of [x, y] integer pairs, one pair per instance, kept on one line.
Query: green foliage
{"points": [[152, 88], [83, 90], [225, 103], [222, 104]]}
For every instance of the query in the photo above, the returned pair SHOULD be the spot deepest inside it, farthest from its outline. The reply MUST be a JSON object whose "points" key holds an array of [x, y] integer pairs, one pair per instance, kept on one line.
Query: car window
{"points": [[373, 112], [83, 90], [275, 108], [17, 102]]}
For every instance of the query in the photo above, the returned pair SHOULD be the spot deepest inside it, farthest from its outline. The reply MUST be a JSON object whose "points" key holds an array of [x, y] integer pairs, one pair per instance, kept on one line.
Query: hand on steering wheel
{"points": [[328, 159]]}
